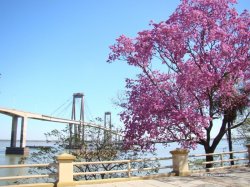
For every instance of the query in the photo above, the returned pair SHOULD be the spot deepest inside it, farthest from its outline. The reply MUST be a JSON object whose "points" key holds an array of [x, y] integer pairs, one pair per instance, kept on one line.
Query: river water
{"points": [[161, 151]]}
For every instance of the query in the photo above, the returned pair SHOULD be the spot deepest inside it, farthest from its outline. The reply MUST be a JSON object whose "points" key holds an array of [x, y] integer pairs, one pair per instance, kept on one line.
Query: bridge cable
{"points": [[88, 112], [53, 113], [66, 110]]}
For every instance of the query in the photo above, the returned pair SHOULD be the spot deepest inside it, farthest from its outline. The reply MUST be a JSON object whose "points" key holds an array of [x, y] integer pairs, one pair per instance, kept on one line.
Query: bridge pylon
{"points": [[77, 132], [21, 149], [107, 125]]}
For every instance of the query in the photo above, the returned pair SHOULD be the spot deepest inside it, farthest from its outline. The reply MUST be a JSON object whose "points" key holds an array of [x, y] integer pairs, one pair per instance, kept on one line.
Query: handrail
{"points": [[127, 166], [122, 161], [83, 163], [129, 170], [27, 165], [229, 160], [198, 155], [101, 162], [26, 176], [99, 172], [221, 158], [152, 159]]}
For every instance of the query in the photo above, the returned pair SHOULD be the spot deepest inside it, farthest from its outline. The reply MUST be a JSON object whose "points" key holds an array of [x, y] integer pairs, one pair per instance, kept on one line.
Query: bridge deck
{"points": [[42, 117], [231, 177]]}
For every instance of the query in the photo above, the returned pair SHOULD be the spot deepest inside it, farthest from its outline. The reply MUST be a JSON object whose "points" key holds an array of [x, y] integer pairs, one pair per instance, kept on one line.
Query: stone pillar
{"points": [[248, 149], [14, 131], [180, 162], [23, 132], [65, 170]]}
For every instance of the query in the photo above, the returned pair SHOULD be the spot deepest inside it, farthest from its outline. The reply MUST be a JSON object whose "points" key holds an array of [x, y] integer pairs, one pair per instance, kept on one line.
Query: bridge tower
{"points": [[21, 149], [77, 132], [107, 124]]}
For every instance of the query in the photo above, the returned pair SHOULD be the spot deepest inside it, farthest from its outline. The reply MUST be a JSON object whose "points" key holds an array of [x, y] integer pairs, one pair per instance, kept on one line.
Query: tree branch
{"points": [[241, 123]]}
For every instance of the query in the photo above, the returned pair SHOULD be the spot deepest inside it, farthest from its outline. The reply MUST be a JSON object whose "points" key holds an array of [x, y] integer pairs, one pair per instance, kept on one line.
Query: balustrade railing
{"points": [[18, 166], [219, 160], [127, 163], [65, 170]]}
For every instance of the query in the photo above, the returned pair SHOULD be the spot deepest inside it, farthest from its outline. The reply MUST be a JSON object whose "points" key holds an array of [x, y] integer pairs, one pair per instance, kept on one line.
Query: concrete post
{"points": [[180, 162], [65, 170], [248, 149], [14, 131], [23, 132], [22, 149]]}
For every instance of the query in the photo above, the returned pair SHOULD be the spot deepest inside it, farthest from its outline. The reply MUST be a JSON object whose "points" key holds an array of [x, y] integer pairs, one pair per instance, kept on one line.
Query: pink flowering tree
{"points": [[194, 70]]}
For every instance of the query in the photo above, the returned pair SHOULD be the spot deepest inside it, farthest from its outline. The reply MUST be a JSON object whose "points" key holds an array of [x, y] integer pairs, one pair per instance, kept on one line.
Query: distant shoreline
{"points": [[238, 138], [30, 140]]}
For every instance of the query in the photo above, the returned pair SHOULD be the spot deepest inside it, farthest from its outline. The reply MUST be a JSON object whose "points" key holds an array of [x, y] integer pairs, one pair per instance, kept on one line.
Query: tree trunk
{"points": [[209, 158], [211, 146], [230, 145], [216, 141]]}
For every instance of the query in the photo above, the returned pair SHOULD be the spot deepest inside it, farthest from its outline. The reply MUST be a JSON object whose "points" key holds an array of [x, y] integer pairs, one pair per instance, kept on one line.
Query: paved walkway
{"points": [[229, 178]]}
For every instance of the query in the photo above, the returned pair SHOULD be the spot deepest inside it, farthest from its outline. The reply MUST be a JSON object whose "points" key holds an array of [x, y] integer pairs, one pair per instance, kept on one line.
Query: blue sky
{"points": [[50, 49]]}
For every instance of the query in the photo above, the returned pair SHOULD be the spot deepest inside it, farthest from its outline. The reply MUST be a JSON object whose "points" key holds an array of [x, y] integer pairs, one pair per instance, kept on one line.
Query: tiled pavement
{"points": [[230, 178]]}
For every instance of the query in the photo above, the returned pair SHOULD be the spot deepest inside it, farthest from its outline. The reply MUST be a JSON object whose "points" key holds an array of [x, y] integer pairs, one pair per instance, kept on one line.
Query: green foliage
{"points": [[94, 149]]}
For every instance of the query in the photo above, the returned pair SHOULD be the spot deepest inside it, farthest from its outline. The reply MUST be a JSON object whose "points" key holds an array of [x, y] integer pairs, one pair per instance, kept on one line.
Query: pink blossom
{"points": [[204, 49]]}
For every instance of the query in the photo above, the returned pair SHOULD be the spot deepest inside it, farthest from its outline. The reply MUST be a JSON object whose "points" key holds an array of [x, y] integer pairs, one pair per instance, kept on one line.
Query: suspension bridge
{"points": [[76, 127]]}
